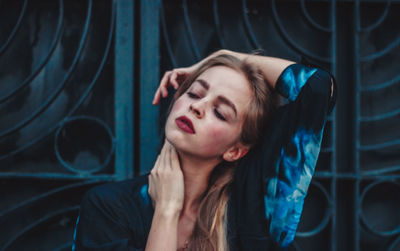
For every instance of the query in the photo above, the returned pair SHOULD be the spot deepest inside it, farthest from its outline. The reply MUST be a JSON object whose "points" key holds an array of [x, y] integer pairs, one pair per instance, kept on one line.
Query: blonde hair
{"points": [[210, 231]]}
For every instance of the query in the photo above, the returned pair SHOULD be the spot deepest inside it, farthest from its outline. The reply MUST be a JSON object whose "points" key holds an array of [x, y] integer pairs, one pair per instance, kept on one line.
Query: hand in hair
{"points": [[166, 187], [172, 78]]}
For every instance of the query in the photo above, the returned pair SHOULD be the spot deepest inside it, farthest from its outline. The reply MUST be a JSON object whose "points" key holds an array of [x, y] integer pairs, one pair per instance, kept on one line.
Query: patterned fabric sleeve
{"points": [[303, 119], [272, 180]]}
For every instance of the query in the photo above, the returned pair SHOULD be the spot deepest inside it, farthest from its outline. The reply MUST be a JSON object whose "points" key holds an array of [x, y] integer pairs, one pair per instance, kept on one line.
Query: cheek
{"points": [[218, 133], [175, 111], [219, 138], [177, 105], [175, 108]]}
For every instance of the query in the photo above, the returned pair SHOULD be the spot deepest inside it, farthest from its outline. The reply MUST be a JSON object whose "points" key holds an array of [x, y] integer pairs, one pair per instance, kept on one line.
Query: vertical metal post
{"points": [[333, 130], [124, 91], [357, 80], [149, 80]]}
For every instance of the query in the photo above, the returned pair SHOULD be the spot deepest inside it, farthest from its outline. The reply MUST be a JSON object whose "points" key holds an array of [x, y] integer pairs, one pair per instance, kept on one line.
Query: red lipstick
{"points": [[185, 124]]}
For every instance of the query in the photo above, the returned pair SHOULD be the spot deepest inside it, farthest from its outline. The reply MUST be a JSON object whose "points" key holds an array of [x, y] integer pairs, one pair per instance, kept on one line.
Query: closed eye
{"points": [[192, 95], [219, 115]]}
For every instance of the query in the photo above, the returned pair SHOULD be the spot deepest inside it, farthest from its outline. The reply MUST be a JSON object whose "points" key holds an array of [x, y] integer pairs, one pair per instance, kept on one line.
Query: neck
{"points": [[196, 173]]}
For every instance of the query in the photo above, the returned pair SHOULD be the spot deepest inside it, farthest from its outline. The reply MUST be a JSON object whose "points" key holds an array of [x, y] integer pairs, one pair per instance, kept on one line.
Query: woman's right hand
{"points": [[166, 186], [172, 78]]}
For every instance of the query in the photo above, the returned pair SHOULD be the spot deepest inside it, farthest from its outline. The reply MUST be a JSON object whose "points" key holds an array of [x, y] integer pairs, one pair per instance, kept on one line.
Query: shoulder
{"points": [[119, 195], [125, 187], [115, 214]]}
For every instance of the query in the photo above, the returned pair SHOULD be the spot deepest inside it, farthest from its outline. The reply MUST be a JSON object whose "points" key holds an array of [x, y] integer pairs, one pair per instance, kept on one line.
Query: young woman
{"points": [[234, 168]]}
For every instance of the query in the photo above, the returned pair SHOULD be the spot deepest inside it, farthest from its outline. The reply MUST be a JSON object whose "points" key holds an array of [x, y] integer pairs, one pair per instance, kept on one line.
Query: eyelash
{"points": [[219, 115], [192, 95], [216, 112]]}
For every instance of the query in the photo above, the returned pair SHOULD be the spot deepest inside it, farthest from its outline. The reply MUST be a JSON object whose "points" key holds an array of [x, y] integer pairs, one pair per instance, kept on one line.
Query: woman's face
{"points": [[206, 120]]}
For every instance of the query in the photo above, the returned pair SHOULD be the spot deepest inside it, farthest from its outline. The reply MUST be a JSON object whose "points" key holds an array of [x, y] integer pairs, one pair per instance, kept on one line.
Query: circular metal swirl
{"points": [[310, 20], [35, 72], [316, 189], [84, 144], [379, 21], [15, 29], [377, 215], [395, 245], [85, 93], [50, 214]]}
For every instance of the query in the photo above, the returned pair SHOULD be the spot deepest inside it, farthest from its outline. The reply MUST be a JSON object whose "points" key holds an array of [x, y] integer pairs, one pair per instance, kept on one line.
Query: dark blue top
{"points": [[268, 191]]}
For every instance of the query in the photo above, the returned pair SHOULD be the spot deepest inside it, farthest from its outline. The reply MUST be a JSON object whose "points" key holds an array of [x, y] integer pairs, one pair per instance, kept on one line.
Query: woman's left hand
{"points": [[172, 78], [166, 185]]}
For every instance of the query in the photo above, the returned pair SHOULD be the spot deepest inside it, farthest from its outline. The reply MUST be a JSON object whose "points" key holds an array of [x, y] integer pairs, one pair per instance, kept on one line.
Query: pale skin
{"points": [[193, 156], [180, 174]]}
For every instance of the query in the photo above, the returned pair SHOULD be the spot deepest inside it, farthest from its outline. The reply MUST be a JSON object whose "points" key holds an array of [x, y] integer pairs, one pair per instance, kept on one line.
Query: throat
{"points": [[185, 230]]}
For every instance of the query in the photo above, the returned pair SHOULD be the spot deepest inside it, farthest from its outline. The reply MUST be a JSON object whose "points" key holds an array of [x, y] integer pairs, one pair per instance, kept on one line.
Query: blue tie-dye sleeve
{"points": [[308, 92], [292, 79]]}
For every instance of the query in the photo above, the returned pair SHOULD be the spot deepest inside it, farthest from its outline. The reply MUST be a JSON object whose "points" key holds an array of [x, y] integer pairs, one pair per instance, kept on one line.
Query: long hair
{"points": [[210, 230]]}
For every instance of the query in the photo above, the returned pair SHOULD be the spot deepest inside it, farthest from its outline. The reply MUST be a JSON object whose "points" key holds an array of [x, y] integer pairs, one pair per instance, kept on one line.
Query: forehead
{"points": [[229, 83]]}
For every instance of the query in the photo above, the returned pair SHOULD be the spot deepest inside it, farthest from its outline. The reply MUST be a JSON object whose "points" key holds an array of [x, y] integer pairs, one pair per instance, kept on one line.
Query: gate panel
{"points": [[76, 84]]}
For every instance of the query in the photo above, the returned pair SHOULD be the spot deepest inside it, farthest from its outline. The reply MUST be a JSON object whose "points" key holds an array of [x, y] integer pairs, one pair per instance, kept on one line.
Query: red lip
{"points": [[185, 124]]}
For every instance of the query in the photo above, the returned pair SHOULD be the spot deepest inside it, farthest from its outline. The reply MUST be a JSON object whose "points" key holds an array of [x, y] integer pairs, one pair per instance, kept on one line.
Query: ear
{"points": [[235, 152]]}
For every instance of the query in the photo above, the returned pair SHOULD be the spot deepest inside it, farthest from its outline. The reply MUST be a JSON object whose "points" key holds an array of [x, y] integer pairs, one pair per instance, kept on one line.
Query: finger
{"points": [[175, 83], [164, 91], [163, 82], [173, 79], [170, 157], [163, 159], [157, 164], [150, 189], [167, 155], [174, 158], [156, 98]]}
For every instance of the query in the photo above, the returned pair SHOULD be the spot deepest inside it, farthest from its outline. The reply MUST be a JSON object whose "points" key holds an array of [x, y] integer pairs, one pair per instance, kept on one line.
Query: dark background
{"points": [[77, 79]]}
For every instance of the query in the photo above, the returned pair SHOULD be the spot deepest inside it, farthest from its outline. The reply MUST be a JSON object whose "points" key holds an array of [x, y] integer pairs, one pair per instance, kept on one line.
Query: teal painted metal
{"points": [[124, 89], [333, 29], [356, 168], [57, 176], [32, 166], [149, 79]]}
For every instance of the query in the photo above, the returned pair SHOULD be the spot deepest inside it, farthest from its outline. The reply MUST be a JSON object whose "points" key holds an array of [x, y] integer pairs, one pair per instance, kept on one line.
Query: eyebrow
{"points": [[221, 99], [204, 83], [227, 102]]}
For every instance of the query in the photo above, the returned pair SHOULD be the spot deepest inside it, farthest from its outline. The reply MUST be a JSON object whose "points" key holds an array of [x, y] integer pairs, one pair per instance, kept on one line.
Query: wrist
{"points": [[170, 218], [223, 51], [238, 55], [168, 212]]}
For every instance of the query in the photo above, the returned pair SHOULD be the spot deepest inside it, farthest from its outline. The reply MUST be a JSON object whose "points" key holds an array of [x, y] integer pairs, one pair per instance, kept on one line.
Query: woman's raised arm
{"points": [[270, 67]]}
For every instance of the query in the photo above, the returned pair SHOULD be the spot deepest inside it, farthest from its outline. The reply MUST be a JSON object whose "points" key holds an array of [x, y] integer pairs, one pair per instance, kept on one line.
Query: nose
{"points": [[198, 108]]}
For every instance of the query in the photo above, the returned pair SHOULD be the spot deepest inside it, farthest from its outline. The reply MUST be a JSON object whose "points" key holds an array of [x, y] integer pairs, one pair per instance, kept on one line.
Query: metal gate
{"points": [[77, 80]]}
